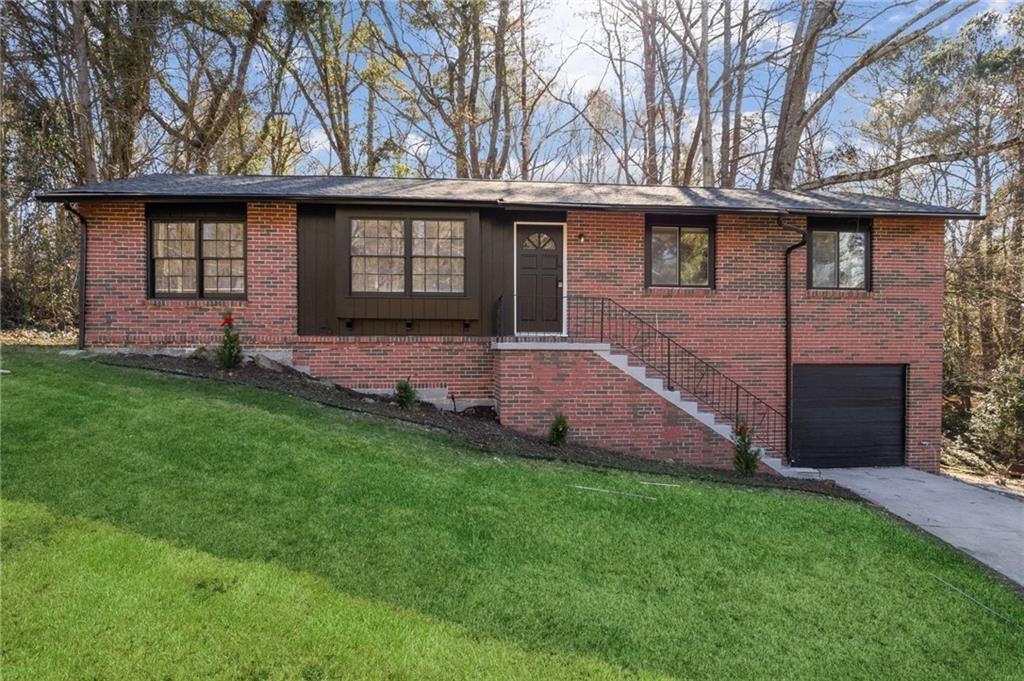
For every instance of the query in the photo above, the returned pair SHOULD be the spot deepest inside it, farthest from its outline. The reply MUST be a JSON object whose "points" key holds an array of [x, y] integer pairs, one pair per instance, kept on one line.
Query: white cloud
{"points": [[563, 26]]}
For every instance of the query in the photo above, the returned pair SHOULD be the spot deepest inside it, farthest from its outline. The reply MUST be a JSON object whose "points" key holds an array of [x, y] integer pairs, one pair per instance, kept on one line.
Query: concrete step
{"points": [[639, 374], [652, 380]]}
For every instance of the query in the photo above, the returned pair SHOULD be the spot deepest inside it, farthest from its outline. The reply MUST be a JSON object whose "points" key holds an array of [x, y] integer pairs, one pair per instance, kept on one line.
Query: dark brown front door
{"points": [[539, 288]]}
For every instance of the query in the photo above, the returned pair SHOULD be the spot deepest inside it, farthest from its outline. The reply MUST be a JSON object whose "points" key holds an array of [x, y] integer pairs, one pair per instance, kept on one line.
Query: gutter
{"points": [[83, 249], [789, 330]]}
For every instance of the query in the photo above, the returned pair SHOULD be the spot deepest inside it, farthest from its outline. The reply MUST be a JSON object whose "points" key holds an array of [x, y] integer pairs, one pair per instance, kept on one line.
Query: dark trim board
{"points": [[849, 415]]}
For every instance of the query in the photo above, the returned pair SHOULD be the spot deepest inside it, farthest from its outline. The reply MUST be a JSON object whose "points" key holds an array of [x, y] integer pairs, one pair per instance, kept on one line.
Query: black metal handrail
{"points": [[606, 321]]}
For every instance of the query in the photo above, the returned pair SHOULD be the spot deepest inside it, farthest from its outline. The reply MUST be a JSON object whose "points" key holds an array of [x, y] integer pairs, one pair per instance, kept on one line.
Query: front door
{"points": [[538, 279]]}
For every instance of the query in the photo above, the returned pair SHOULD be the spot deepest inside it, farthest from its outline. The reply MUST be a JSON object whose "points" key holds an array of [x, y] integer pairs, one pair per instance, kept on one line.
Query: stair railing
{"points": [[606, 321]]}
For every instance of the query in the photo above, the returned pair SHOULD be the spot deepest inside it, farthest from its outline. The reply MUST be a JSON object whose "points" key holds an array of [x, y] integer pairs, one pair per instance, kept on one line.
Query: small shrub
{"points": [[745, 456], [405, 394], [229, 354], [559, 430]]}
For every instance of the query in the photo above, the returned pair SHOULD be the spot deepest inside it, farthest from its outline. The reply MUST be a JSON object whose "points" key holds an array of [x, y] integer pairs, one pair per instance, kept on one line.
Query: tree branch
{"points": [[886, 171]]}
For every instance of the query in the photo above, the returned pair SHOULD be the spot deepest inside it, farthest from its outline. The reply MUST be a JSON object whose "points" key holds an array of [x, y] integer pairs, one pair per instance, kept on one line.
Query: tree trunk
{"points": [[727, 85], [83, 97], [741, 83], [794, 97], [491, 169], [704, 97], [647, 24], [524, 135]]}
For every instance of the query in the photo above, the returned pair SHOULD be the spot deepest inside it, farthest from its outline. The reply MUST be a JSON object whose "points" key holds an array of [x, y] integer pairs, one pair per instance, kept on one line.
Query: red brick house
{"points": [[652, 317]]}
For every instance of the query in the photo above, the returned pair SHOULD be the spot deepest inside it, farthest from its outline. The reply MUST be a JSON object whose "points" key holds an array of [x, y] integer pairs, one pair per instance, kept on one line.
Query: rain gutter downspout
{"points": [[789, 329], [82, 251]]}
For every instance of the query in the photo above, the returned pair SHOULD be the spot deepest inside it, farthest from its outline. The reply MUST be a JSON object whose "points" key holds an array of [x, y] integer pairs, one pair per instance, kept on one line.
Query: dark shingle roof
{"points": [[554, 195]]}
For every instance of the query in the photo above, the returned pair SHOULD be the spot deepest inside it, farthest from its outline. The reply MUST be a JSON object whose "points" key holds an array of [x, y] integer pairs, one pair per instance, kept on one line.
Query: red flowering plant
{"points": [[745, 454], [229, 354]]}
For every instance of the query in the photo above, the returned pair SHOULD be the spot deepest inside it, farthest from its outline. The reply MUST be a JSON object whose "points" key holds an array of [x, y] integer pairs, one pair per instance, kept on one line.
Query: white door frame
{"points": [[515, 278]]}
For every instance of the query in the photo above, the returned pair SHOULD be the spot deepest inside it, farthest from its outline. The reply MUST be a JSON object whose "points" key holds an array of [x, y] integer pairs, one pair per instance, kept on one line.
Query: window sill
{"points": [[678, 291], [837, 293], [196, 302]]}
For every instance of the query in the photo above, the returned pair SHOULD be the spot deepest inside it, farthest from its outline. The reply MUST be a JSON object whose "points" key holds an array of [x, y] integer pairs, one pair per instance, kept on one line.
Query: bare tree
{"points": [[795, 112]]}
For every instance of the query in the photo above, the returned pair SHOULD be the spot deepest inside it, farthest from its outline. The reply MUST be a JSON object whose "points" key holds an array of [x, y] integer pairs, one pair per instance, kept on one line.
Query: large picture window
{"points": [[408, 256], [197, 259], [839, 258], [681, 255]]}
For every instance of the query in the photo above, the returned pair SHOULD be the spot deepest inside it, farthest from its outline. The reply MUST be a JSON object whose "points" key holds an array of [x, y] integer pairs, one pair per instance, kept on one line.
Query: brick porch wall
{"points": [[463, 365], [603, 405]]}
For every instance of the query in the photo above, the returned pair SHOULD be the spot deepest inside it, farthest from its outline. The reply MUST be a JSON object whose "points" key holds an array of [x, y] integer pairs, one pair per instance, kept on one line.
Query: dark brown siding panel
{"points": [[317, 260], [498, 277], [327, 305]]}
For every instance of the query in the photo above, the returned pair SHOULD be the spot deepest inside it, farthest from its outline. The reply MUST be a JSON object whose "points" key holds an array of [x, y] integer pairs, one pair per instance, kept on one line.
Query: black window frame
{"points": [[839, 226], [407, 255], [199, 293], [691, 222]]}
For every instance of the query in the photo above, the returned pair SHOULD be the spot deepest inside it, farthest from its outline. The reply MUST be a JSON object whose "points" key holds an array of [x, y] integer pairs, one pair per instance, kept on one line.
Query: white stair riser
{"points": [[673, 397]]}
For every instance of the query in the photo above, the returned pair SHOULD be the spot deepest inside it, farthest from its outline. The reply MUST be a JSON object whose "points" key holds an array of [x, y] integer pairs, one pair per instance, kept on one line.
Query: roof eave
{"points": [[66, 197]]}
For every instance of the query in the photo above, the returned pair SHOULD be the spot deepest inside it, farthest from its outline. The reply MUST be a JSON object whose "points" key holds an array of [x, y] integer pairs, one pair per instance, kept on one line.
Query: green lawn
{"points": [[160, 527]]}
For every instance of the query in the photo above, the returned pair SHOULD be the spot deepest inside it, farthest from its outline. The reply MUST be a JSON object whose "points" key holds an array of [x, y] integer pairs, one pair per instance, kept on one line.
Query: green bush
{"points": [[405, 394], [745, 456], [559, 430], [229, 354], [994, 438]]}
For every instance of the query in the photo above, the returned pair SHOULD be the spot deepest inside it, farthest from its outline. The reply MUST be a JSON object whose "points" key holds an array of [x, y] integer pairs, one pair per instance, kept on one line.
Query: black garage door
{"points": [[848, 415]]}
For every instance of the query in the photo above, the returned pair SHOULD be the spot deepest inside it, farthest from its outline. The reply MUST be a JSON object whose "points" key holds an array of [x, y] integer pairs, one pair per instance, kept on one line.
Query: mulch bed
{"points": [[474, 426]]}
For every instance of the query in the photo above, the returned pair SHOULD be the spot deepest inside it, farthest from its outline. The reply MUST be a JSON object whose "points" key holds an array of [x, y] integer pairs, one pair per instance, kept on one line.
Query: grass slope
{"points": [[184, 614], [458, 548]]}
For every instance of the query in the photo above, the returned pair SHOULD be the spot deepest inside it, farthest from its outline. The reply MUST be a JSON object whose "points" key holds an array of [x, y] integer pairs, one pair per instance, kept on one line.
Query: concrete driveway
{"points": [[987, 525]]}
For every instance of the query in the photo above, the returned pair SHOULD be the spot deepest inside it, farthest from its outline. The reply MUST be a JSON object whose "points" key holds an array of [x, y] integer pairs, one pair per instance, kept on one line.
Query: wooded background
{"points": [[917, 100]]}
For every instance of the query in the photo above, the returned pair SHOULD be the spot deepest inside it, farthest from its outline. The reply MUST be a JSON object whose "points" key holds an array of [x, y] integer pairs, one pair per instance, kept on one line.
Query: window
{"points": [[538, 241], [839, 258], [174, 258], [378, 256], [680, 256], [438, 256], [403, 256], [197, 259], [223, 258]]}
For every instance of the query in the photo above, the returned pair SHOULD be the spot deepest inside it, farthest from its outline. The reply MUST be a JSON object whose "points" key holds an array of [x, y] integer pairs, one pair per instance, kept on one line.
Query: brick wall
{"points": [[898, 322], [118, 313], [739, 325], [604, 407], [463, 365]]}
